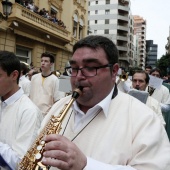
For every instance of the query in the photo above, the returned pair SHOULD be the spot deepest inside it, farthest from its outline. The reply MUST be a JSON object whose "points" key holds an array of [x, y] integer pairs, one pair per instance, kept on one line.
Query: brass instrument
{"points": [[123, 77], [56, 73], [33, 157]]}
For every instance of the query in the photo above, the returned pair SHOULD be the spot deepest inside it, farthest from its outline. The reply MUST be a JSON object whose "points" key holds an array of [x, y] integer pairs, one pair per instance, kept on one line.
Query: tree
{"points": [[164, 64]]}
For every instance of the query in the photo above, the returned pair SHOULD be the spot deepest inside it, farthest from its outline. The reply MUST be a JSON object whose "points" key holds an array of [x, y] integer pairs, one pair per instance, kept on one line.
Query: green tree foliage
{"points": [[163, 64], [132, 70]]}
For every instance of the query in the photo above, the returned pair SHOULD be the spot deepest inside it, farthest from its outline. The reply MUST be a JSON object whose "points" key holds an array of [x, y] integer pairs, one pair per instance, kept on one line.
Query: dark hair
{"points": [[142, 72], [157, 70], [24, 68], [46, 54], [148, 66], [97, 41], [9, 62]]}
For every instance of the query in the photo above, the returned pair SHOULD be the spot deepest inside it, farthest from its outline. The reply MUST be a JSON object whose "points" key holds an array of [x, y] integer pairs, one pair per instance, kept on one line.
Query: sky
{"points": [[157, 16]]}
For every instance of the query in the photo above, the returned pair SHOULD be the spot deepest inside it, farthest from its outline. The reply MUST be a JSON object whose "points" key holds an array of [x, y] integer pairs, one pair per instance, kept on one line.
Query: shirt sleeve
{"points": [[94, 164], [56, 90], [9, 156]]}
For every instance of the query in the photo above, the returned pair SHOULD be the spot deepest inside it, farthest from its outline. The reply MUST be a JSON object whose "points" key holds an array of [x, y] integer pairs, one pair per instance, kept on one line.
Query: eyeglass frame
{"points": [[77, 69]]}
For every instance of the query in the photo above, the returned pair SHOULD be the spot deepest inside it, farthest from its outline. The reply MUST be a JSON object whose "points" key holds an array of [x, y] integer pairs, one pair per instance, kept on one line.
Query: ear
{"points": [[14, 75], [115, 69], [52, 64]]}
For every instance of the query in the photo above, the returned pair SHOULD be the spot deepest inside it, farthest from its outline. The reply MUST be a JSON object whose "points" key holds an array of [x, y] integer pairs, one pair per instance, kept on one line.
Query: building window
{"points": [[96, 2], [106, 31], [96, 11], [95, 21], [75, 23], [107, 1], [81, 28], [107, 11], [95, 31], [24, 54], [106, 21], [54, 11]]}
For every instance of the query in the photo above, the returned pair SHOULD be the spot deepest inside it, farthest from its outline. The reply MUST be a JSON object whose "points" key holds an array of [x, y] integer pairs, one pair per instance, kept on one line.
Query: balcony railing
{"points": [[24, 15]]}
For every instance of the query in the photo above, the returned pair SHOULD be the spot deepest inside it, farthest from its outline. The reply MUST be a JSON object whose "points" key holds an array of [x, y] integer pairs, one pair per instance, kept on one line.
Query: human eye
{"points": [[89, 69], [141, 81]]}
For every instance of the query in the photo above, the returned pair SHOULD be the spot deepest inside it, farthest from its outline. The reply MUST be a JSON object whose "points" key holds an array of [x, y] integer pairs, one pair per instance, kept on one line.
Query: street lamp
{"points": [[7, 7]]}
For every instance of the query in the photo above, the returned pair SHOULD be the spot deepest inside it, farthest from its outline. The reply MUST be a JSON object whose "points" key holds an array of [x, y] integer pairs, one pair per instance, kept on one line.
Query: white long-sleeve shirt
{"points": [[125, 135], [20, 120], [25, 84]]}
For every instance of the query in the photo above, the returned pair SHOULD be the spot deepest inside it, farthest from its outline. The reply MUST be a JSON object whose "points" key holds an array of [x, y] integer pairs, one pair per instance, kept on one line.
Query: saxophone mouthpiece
{"points": [[77, 92], [81, 88]]}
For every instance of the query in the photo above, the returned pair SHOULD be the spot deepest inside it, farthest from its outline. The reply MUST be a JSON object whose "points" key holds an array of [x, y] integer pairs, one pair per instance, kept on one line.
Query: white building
{"points": [[112, 18]]}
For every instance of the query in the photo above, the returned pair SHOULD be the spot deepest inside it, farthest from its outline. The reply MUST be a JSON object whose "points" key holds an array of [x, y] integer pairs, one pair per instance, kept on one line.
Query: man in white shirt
{"points": [[105, 129], [19, 117], [24, 83], [45, 85], [140, 81], [162, 95]]}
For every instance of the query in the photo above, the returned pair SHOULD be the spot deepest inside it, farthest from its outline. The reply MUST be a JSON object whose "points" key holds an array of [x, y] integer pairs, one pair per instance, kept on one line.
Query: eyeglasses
{"points": [[86, 71]]}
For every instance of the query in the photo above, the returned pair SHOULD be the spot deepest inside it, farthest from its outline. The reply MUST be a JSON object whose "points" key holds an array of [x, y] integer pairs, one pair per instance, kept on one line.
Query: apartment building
{"points": [[151, 53], [28, 34], [112, 18], [140, 32]]}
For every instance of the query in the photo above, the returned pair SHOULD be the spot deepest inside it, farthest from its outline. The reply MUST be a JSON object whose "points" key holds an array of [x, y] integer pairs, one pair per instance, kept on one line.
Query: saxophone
{"points": [[33, 157]]}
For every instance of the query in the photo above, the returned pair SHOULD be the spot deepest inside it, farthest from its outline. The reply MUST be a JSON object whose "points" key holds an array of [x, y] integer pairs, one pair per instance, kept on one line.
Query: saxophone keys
{"points": [[38, 156]]}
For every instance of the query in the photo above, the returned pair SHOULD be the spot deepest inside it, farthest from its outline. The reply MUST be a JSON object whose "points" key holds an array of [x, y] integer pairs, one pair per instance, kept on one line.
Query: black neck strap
{"points": [[115, 92], [46, 76]]}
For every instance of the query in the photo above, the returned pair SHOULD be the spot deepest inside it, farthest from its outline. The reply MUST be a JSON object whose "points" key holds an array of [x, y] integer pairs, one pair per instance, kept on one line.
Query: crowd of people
{"points": [[29, 4], [105, 127]]}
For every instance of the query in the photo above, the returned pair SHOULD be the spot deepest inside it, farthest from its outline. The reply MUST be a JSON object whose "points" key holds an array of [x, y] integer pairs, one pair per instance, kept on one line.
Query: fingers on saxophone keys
{"points": [[55, 154], [51, 137], [55, 163]]}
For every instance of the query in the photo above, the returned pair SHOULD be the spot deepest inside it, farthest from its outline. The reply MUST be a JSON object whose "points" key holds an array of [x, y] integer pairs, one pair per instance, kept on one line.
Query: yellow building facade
{"points": [[28, 34]]}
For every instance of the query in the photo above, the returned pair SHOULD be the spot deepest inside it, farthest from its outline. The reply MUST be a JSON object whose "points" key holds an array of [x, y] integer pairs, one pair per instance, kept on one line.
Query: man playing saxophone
{"points": [[105, 129]]}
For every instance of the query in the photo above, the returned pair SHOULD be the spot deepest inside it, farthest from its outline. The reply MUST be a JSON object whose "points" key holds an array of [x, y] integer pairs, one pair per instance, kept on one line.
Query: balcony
{"points": [[123, 38], [122, 48], [34, 24], [122, 18], [124, 2], [123, 28]]}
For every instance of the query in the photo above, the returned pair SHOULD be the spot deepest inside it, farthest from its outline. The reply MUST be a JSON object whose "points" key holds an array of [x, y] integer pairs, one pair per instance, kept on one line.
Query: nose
{"points": [[80, 75], [137, 83]]}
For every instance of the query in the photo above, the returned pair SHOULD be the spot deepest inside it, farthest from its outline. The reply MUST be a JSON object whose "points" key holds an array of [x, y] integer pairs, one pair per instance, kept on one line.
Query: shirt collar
{"points": [[14, 97], [104, 104]]}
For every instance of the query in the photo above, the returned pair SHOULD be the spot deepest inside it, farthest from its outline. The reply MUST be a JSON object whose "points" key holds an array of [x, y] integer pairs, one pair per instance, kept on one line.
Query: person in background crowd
{"points": [[105, 129], [45, 85], [20, 119], [168, 78], [140, 81], [161, 95], [24, 83], [148, 68]]}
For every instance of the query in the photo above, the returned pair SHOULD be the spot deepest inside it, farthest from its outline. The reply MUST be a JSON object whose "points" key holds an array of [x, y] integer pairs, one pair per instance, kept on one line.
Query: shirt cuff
{"points": [[94, 164], [9, 156]]}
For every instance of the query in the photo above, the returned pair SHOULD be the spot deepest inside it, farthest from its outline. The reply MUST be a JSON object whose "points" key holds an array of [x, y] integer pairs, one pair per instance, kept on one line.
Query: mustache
{"points": [[137, 88]]}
